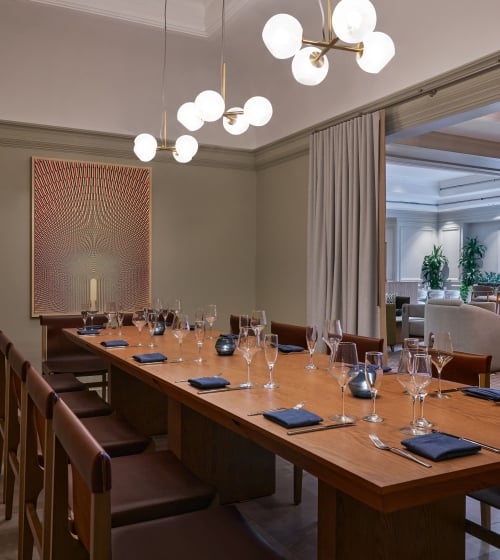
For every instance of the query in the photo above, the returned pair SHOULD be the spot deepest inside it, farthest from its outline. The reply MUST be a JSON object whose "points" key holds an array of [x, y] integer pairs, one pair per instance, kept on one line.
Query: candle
{"points": [[93, 293]]}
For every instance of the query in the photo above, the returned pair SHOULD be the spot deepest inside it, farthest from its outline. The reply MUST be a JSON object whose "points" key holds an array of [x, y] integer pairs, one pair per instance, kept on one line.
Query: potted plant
{"points": [[470, 259], [434, 268]]}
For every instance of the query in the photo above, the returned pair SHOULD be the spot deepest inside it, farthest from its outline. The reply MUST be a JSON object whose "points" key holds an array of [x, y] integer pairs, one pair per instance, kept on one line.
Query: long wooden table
{"points": [[371, 503]]}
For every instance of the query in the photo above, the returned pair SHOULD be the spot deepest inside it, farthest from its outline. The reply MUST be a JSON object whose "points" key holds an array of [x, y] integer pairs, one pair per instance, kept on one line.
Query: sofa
{"points": [[474, 329]]}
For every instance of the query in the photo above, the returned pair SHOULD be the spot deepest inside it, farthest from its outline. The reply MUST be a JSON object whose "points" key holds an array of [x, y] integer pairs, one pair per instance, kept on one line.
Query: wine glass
{"points": [[139, 320], [271, 354], [244, 322], [344, 367], [210, 317], [311, 340], [199, 333], [85, 314], [373, 375], [441, 353], [180, 329], [410, 382], [176, 307], [110, 314], [422, 370], [332, 335], [152, 317], [247, 346], [92, 311], [258, 322], [120, 316]]}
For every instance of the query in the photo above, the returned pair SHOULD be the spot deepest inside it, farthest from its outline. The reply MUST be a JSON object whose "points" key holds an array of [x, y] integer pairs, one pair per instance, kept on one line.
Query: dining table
{"points": [[371, 503]]}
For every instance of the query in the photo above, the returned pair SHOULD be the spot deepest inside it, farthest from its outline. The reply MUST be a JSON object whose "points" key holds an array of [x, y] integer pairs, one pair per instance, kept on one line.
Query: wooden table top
{"points": [[344, 458]]}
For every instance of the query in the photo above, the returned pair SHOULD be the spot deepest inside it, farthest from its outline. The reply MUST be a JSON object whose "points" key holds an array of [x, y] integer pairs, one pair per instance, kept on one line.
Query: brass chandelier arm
{"points": [[333, 44]]}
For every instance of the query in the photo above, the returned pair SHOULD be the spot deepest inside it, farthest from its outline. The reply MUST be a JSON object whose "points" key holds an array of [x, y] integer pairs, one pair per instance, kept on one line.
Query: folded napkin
{"points": [[482, 393], [287, 348], [440, 446], [88, 330], [208, 382], [386, 369], [150, 358], [293, 418], [114, 343], [230, 335]]}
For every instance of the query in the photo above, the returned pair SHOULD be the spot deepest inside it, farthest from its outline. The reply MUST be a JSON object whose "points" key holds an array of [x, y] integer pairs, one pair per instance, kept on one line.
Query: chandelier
{"points": [[210, 106], [350, 27], [146, 145]]}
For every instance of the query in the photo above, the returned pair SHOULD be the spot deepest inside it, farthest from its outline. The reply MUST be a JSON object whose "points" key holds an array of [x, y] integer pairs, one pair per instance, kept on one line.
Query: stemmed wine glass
{"points": [[139, 320], [244, 321], [247, 346], [120, 315], [271, 354], [332, 335], [92, 312], [373, 375], [180, 329], [441, 353], [110, 314], [258, 322], [85, 315], [412, 384], [199, 332], [422, 369], [152, 317], [210, 317], [311, 340], [344, 367]]}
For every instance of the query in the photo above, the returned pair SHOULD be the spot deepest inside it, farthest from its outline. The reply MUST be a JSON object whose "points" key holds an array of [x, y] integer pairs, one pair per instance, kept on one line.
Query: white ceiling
{"points": [[419, 177]]}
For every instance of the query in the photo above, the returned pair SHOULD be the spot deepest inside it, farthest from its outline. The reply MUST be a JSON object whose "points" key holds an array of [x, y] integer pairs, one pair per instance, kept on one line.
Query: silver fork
{"points": [[381, 445], [298, 406]]}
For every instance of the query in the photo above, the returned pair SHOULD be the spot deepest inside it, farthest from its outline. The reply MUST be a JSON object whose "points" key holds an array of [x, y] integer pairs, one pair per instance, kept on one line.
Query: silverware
{"points": [[483, 445], [221, 390], [318, 428], [381, 445], [187, 380], [298, 406], [453, 390]]}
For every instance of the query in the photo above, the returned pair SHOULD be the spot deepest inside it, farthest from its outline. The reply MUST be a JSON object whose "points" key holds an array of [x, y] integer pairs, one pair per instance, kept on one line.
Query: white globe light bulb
{"points": [[188, 116], [210, 105], [186, 146], [378, 50], [352, 20], [237, 124], [145, 146], [282, 36], [258, 110], [181, 159], [304, 68]]}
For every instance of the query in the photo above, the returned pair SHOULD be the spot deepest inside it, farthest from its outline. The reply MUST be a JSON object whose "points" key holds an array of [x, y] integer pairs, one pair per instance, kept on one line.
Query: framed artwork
{"points": [[91, 235]]}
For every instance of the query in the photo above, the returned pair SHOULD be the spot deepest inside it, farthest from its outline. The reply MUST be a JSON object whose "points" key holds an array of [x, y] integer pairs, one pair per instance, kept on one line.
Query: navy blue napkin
{"points": [[482, 393], [293, 418], [440, 446], [150, 358], [208, 382], [89, 331], [287, 348], [114, 343]]}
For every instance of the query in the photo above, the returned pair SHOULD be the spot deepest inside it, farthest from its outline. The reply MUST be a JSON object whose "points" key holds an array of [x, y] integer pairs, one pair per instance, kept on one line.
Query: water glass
{"points": [[210, 317], [199, 333], [247, 347], [374, 374], [271, 354], [344, 367], [311, 341], [180, 329]]}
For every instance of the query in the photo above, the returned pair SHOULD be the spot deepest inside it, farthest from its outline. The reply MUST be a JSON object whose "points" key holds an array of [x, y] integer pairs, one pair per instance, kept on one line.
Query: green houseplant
{"points": [[434, 268], [470, 258]]}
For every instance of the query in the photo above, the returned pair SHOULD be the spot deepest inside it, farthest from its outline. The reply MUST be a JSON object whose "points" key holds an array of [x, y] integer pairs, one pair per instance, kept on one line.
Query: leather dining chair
{"points": [[217, 533], [466, 368], [5, 345]]}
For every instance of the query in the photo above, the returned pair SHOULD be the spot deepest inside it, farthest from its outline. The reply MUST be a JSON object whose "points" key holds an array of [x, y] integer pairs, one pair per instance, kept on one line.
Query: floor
{"points": [[290, 529]]}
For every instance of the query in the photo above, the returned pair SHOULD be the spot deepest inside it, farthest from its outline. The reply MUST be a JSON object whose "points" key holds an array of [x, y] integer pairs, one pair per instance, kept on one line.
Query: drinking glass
{"points": [[373, 375], [120, 315], [176, 307], [152, 317], [199, 315], [410, 382], [244, 321], [199, 333], [344, 367], [110, 314], [441, 353], [311, 340], [332, 335], [258, 322], [180, 329], [85, 314], [92, 311], [271, 354], [139, 319], [422, 370], [247, 346], [211, 317]]}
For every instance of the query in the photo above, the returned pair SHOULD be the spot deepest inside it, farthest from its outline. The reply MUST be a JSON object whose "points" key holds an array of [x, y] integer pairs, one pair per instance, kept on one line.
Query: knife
{"points": [[318, 428], [221, 390], [453, 390], [483, 445], [259, 412]]}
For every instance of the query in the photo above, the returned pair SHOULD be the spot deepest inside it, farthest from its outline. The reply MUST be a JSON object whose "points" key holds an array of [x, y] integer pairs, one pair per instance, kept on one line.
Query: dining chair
{"points": [[467, 368], [481, 292], [216, 533], [488, 498], [5, 345]]}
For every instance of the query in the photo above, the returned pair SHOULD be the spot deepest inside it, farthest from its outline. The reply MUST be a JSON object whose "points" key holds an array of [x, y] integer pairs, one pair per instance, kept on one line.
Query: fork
{"points": [[381, 445], [298, 406]]}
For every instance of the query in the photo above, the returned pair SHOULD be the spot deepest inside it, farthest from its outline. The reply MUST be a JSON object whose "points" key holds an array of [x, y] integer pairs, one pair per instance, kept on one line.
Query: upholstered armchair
{"points": [[413, 320]]}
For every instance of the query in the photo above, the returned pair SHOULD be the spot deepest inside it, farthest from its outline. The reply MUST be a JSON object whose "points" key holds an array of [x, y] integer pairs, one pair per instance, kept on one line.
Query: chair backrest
{"points": [[234, 323], [5, 346], [364, 344], [289, 334], [470, 369]]}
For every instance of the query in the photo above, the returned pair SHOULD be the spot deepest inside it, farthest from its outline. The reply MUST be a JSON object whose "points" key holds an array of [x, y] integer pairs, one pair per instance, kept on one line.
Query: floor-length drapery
{"points": [[343, 225]]}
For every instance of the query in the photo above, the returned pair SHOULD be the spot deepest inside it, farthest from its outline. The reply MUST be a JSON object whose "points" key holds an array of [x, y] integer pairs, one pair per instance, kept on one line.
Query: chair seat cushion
{"points": [[79, 363], [86, 403], [219, 533], [116, 435], [152, 485], [64, 382]]}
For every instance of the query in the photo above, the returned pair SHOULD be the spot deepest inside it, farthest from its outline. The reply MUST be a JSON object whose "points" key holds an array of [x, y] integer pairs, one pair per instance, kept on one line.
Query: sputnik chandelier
{"points": [[146, 145], [350, 27], [210, 106]]}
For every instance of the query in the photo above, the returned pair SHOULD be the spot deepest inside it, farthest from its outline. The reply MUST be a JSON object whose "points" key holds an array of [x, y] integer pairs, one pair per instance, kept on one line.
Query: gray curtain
{"points": [[343, 225]]}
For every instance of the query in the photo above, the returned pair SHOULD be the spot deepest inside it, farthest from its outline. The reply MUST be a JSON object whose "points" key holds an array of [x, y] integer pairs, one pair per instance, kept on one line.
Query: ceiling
{"points": [[442, 169]]}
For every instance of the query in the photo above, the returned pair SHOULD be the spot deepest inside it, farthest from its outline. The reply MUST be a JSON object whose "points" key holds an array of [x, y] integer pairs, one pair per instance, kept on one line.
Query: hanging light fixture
{"points": [[350, 27], [210, 106], [146, 145]]}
